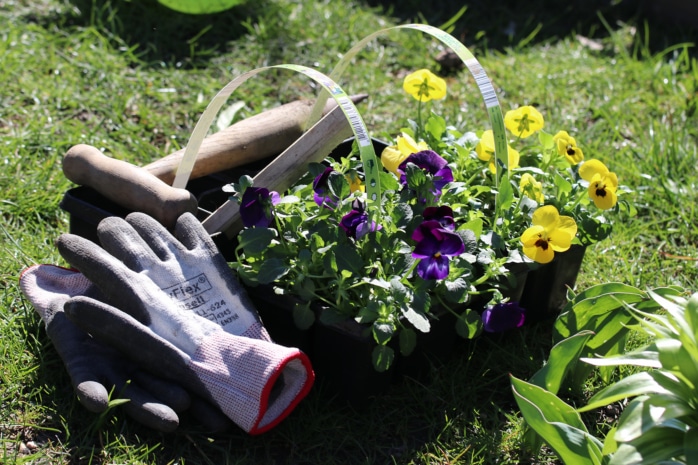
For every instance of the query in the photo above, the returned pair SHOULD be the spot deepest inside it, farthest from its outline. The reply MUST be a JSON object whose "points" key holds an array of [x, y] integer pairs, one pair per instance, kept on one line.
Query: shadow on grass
{"points": [[499, 24], [158, 35]]}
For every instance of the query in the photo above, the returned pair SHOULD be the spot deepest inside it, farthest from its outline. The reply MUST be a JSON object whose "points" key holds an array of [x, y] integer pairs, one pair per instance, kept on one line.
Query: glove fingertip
{"points": [[93, 396]]}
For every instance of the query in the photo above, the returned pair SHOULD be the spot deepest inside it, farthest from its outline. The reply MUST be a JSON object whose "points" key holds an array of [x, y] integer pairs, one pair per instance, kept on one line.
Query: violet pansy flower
{"points": [[256, 207], [321, 189], [435, 245], [356, 223], [503, 317], [442, 214], [432, 163]]}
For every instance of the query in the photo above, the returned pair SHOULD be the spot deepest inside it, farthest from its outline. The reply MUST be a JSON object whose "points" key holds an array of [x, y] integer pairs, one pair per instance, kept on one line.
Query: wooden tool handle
{"points": [[128, 185], [263, 135]]}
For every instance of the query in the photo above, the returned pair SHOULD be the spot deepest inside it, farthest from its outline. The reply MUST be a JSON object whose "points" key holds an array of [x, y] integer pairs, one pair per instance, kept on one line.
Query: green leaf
{"points": [[418, 319], [348, 259], [271, 270], [475, 225], [641, 358], [331, 316], [338, 184], [435, 125], [690, 445], [254, 241], [656, 446], [563, 356], [636, 384], [469, 324], [303, 316], [383, 357], [408, 341], [646, 412], [368, 314], [505, 197], [546, 140], [382, 332], [557, 423]]}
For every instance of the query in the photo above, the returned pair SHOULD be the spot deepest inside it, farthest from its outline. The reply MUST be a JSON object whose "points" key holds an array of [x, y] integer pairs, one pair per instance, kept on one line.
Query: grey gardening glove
{"points": [[186, 266], [254, 382], [95, 368]]}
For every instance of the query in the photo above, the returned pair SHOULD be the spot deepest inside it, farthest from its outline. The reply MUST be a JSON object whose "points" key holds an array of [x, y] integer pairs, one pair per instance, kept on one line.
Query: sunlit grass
{"points": [[101, 73]]}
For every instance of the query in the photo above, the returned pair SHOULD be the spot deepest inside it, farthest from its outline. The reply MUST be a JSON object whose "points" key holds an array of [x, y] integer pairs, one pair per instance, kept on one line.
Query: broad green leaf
{"points": [[408, 341], [631, 386], [348, 259], [475, 225], [557, 423], [546, 140], [505, 196], [303, 316], [563, 356], [658, 445], [469, 324], [254, 241], [382, 332], [419, 320], [646, 412], [271, 270], [641, 358], [690, 445], [383, 357], [674, 357]]}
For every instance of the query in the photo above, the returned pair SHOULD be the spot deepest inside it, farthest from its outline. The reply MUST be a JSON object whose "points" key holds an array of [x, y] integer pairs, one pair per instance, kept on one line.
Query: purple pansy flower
{"points": [[435, 245], [442, 214], [503, 317], [256, 207], [322, 194], [356, 224], [432, 163]]}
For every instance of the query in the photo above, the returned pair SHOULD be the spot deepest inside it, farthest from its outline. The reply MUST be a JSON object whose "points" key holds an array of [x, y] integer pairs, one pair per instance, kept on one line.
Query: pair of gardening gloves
{"points": [[160, 320]]}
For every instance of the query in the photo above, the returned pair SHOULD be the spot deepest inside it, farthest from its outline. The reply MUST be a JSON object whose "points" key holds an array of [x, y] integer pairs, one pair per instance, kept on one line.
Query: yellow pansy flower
{"points": [[355, 183], [424, 85], [524, 121], [603, 183], [532, 188], [550, 233], [567, 146], [485, 151], [393, 155]]}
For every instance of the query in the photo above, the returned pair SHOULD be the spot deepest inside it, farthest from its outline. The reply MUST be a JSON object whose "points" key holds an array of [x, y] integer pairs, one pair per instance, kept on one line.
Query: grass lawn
{"points": [[132, 78]]}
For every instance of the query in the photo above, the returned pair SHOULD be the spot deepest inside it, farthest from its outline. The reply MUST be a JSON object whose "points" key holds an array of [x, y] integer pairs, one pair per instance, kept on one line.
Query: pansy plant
{"points": [[447, 236]]}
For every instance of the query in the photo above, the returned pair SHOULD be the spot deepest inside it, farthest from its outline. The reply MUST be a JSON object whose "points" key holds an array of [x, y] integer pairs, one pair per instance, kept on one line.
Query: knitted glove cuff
{"points": [[254, 382]]}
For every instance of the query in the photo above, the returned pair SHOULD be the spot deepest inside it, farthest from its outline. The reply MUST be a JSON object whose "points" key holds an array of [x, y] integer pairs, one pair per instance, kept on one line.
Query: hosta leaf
{"points": [[637, 384], [655, 446], [646, 412], [557, 423], [563, 357]]}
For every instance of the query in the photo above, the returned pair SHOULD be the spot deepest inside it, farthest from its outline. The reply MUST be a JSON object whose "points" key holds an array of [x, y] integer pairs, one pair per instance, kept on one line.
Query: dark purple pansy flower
{"points": [[355, 223], [322, 195], [432, 163], [442, 214], [503, 317], [434, 247], [256, 207]]}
